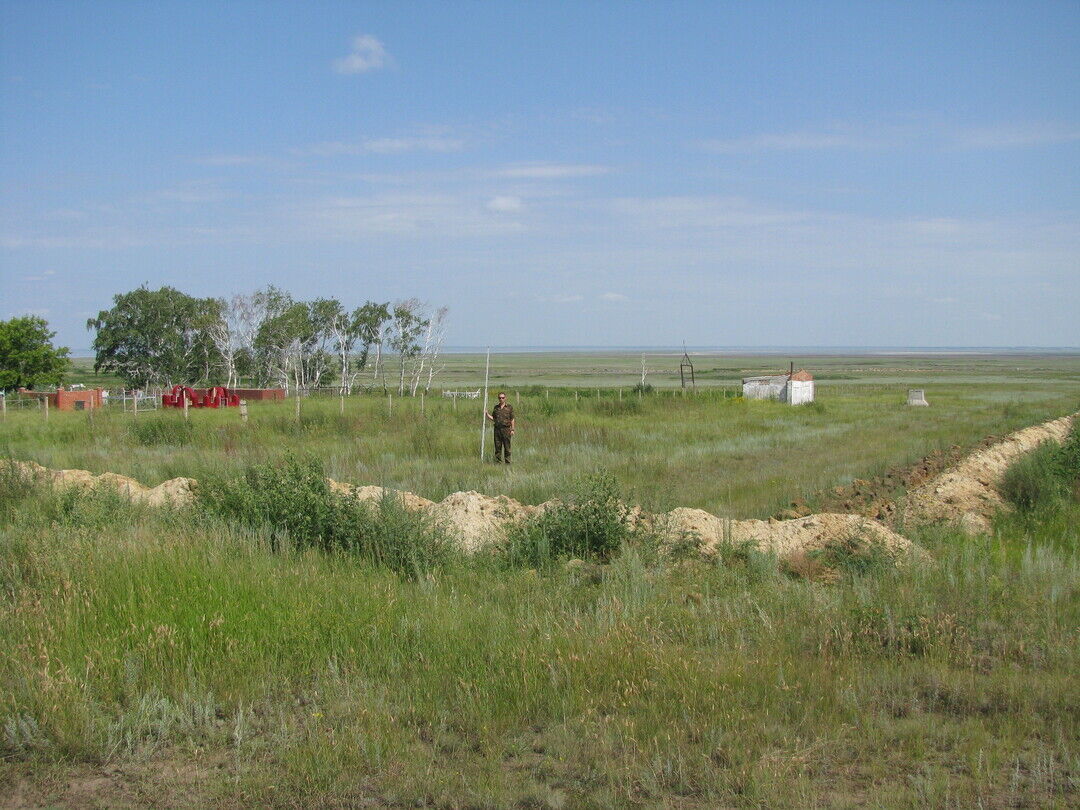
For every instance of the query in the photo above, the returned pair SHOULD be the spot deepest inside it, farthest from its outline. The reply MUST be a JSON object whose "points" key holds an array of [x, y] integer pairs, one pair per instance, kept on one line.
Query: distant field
{"points": [[615, 369], [577, 413]]}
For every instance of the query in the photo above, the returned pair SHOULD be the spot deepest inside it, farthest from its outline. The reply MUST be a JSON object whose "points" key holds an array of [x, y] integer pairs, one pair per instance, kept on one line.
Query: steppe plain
{"points": [[174, 658]]}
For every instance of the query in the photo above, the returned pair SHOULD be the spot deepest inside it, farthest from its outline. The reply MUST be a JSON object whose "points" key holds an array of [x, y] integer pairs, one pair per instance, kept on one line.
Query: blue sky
{"points": [[556, 173]]}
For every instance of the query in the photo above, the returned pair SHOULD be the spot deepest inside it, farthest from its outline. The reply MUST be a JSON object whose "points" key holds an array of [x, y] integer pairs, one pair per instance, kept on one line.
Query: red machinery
{"points": [[216, 397]]}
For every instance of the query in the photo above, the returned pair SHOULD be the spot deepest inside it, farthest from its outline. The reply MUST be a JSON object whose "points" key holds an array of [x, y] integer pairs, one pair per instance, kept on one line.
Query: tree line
{"points": [[267, 338]]}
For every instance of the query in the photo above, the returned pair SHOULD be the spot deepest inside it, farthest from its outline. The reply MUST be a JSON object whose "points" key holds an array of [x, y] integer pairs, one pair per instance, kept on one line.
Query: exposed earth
{"points": [[964, 493]]}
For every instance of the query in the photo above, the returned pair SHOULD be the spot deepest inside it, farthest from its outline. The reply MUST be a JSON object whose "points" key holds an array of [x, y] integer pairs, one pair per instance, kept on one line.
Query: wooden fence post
{"points": [[184, 395], [243, 411], [46, 401], [389, 405]]}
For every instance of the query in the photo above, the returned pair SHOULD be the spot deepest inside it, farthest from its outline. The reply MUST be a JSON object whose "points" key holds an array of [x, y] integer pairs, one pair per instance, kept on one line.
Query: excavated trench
{"points": [[964, 494]]}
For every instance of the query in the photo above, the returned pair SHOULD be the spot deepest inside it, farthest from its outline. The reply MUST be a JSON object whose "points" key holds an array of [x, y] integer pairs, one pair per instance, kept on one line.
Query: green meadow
{"points": [[204, 656], [669, 447]]}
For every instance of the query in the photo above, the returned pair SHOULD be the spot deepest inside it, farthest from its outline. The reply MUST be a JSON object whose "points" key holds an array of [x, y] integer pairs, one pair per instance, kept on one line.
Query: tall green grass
{"points": [[705, 450], [296, 676], [1045, 476], [292, 502]]}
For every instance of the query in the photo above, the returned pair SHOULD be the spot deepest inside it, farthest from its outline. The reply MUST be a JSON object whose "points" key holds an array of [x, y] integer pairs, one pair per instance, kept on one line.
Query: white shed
{"points": [[795, 389]]}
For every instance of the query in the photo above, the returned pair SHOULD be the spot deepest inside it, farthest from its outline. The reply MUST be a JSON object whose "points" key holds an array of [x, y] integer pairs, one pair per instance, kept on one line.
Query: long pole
{"points": [[483, 413]]}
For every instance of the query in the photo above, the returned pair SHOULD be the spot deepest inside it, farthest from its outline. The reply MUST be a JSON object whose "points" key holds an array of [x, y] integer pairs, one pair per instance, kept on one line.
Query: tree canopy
{"points": [[161, 337], [27, 356], [156, 337]]}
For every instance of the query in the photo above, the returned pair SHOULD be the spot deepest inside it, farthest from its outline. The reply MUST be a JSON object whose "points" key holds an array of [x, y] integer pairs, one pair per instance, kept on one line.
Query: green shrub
{"points": [[590, 523], [1036, 479], [294, 499], [168, 429]]}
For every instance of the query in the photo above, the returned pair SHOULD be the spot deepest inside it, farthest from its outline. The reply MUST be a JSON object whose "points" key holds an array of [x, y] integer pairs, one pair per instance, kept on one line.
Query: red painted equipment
{"points": [[216, 397]]}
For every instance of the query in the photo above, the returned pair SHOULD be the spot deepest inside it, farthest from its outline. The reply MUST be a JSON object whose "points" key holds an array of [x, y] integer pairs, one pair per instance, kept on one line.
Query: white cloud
{"points": [[549, 171], [561, 299], [504, 205], [792, 141], [884, 135], [613, 296], [233, 160], [386, 146], [368, 54], [389, 215], [1018, 135], [44, 275]]}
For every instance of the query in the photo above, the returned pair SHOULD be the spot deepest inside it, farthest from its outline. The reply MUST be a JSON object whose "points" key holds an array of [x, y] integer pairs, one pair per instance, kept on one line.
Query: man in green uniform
{"points": [[503, 417]]}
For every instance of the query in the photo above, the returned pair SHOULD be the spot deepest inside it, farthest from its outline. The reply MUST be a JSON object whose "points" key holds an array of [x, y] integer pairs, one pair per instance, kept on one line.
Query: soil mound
{"points": [[967, 494], [174, 492], [785, 538], [477, 520], [374, 494]]}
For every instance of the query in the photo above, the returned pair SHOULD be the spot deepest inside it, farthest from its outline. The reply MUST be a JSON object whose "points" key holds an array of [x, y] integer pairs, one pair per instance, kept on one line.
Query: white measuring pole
{"points": [[483, 412]]}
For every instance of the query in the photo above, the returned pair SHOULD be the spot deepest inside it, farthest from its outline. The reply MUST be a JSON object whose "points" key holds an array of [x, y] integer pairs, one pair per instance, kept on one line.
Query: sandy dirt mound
{"points": [[175, 491], [967, 494], [477, 520], [784, 538], [374, 494], [814, 532]]}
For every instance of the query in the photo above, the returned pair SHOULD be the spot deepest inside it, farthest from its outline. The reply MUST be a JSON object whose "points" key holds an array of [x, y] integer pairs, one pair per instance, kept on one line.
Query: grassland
{"points": [[704, 449], [177, 658]]}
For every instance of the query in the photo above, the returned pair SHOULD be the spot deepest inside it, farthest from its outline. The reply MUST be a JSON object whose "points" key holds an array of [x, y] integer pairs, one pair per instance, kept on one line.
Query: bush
{"points": [[293, 498], [591, 523], [155, 430], [1036, 479]]}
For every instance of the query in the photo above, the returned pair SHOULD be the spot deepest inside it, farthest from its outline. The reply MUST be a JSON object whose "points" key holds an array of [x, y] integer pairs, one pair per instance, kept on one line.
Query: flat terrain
{"points": [[577, 413], [182, 658]]}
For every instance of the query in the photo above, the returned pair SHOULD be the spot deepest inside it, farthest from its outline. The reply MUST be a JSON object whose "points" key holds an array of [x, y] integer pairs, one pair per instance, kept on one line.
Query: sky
{"points": [[557, 174]]}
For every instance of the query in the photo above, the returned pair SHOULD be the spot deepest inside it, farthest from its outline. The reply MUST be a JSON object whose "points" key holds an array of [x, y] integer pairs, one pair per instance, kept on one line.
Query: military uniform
{"points": [[504, 418]]}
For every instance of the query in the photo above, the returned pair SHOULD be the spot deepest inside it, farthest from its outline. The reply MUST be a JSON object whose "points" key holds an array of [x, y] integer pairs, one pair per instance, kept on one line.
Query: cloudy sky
{"points": [[814, 174]]}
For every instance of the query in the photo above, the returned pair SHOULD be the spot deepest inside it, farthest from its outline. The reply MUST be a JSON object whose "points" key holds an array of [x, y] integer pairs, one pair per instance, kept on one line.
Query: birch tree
{"points": [[406, 325]]}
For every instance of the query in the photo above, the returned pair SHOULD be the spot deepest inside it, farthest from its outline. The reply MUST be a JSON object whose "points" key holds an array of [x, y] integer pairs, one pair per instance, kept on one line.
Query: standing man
{"points": [[503, 417]]}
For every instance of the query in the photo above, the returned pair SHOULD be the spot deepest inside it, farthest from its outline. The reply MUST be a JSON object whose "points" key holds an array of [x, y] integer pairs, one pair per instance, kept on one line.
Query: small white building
{"points": [[795, 389]]}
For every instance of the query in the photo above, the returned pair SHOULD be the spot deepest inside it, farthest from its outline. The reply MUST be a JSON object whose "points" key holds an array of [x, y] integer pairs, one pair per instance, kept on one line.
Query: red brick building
{"points": [[61, 400]]}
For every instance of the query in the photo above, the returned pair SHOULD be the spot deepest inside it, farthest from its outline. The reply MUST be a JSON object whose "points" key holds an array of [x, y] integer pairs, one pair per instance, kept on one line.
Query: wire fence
{"points": [[136, 401]]}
